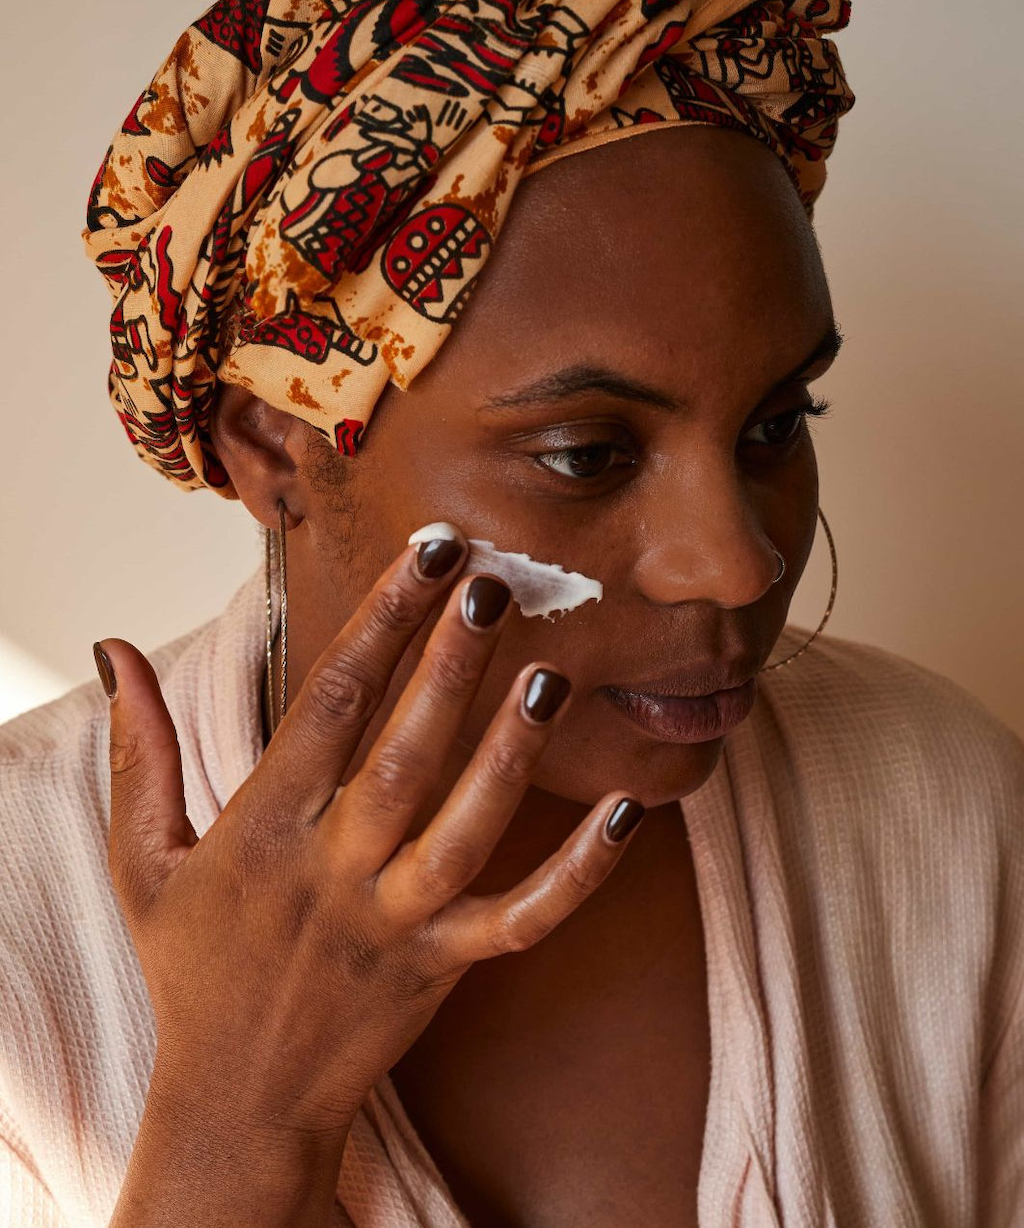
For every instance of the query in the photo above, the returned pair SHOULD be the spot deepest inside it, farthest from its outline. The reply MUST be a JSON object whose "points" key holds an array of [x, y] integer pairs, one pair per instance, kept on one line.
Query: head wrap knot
{"points": [[302, 199]]}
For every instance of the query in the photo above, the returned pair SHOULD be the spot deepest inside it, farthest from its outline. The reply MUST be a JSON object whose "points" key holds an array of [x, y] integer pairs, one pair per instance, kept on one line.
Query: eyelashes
{"points": [[818, 408], [578, 461]]}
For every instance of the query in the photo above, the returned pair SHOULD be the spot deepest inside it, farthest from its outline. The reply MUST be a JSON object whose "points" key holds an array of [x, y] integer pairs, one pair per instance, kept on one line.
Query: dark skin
{"points": [[544, 1078]]}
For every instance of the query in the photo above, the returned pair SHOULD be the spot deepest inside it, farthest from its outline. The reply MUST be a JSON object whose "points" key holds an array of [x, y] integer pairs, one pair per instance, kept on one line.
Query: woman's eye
{"points": [[591, 461], [784, 428], [778, 431], [594, 460]]}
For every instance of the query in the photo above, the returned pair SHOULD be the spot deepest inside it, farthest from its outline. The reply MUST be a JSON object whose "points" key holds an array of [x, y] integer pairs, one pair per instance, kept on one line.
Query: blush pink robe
{"points": [[859, 852]]}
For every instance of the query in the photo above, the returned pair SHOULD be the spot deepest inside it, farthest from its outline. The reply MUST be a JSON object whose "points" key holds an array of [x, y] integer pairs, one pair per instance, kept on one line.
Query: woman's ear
{"points": [[259, 447]]}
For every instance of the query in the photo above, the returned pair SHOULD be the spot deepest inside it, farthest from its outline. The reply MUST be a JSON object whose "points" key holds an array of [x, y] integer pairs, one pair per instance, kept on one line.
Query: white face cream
{"points": [[539, 588]]}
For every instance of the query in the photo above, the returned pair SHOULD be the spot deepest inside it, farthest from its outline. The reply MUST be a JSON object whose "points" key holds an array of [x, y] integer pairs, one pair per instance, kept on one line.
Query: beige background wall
{"points": [[922, 459]]}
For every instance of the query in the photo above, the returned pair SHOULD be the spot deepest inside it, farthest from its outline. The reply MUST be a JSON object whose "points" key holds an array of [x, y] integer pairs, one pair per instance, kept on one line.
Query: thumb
{"points": [[149, 830]]}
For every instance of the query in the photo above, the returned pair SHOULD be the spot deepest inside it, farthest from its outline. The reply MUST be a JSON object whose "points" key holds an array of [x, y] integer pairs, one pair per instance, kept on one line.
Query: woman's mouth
{"points": [[675, 718]]}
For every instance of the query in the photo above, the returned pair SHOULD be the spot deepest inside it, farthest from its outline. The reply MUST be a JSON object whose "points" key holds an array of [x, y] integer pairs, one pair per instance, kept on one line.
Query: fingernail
{"points": [[436, 558], [105, 669], [544, 695], [484, 600], [623, 819]]}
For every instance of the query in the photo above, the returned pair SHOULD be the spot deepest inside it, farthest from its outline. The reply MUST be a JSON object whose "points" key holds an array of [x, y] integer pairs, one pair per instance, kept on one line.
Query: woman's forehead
{"points": [[710, 244]]}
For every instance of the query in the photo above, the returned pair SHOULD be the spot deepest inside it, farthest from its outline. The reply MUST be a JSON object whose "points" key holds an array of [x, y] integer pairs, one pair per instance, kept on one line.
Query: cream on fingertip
{"points": [[439, 530]]}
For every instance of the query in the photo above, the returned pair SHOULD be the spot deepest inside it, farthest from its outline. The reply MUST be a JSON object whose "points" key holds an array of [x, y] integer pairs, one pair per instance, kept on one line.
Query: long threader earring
{"points": [[275, 717]]}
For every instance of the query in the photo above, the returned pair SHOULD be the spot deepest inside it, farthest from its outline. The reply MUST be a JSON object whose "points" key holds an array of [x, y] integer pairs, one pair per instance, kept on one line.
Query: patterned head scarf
{"points": [[303, 198]]}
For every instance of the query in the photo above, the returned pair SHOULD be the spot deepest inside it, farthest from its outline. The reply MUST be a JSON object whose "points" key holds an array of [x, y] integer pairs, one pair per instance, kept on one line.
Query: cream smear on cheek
{"points": [[538, 588]]}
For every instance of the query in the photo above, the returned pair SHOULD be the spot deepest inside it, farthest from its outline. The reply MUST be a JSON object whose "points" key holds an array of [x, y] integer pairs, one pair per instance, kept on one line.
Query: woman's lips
{"points": [[671, 718]]}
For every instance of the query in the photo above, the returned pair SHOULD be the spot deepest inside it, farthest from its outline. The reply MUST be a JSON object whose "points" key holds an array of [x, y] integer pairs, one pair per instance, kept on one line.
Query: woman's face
{"points": [[681, 261]]}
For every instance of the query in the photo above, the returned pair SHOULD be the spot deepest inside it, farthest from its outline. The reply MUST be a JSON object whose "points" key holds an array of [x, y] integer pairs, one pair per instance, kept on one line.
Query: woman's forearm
{"points": [[204, 1160]]}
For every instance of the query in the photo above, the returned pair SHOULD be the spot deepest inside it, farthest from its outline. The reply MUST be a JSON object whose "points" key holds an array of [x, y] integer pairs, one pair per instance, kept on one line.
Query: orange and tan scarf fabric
{"points": [[302, 199]]}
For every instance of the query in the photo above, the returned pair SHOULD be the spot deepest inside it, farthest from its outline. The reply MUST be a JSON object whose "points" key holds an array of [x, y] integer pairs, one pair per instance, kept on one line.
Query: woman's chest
{"points": [[569, 1085]]}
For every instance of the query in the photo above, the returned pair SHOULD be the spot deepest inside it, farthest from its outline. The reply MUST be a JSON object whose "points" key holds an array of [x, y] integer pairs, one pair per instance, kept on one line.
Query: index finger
{"points": [[321, 730]]}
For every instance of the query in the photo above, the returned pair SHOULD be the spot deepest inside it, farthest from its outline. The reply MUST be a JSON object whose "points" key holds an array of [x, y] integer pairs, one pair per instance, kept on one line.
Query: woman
{"points": [[792, 994]]}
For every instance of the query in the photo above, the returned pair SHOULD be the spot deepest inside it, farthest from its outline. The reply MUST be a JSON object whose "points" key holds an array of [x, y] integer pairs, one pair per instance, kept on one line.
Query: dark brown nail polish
{"points": [[484, 601], [436, 558], [623, 819], [544, 695], [105, 669]]}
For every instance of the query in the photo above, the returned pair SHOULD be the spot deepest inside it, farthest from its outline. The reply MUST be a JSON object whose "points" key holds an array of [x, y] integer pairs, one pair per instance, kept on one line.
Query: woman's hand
{"points": [[297, 950]]}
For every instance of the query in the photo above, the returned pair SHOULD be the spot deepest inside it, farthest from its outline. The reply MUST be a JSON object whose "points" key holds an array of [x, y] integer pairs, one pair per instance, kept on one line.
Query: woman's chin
{"points": [[656, 773]]}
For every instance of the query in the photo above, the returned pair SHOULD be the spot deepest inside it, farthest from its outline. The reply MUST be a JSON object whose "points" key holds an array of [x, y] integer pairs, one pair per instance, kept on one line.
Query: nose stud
{"points": [[782, 569]]}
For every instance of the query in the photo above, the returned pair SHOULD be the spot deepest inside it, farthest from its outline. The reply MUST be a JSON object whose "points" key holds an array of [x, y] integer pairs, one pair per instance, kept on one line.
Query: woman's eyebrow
{"points": [[570, 381]]}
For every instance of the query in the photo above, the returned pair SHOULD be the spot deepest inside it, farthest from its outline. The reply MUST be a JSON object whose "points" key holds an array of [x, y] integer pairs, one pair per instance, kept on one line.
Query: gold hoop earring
{"points": [[831, 598], [275, 718]]}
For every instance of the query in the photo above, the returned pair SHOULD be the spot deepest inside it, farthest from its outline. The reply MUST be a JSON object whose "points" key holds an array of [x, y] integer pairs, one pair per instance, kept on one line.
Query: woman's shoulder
{"points": [[881, 716], [54, 772], [64, 733], [65, 729], [63, 942], [897, 800], [54, 792], [52, 731]]}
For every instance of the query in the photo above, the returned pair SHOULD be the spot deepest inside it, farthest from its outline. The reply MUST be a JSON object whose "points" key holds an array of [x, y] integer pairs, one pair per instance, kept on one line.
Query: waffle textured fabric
{"points": [[304, 196], [859, 858]]}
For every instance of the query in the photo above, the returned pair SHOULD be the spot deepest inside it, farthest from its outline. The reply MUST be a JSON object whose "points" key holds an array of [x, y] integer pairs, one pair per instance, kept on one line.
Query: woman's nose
{"points": [[706, 546]]}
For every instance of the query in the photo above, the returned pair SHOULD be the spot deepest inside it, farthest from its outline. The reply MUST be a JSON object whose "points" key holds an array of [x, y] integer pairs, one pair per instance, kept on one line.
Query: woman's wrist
{"points": [[249, 1095], [213, 1153]]}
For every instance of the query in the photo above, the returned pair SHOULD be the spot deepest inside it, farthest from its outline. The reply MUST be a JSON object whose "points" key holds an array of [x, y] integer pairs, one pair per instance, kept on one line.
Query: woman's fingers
{"points": [[452, 850], [407, 759], [308, 755], [479, 927], [149, 830]]}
